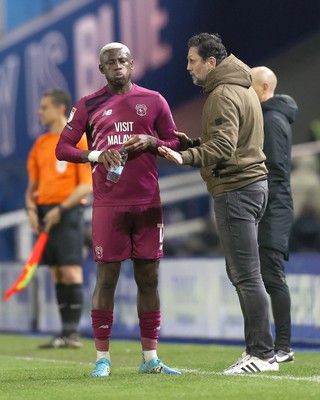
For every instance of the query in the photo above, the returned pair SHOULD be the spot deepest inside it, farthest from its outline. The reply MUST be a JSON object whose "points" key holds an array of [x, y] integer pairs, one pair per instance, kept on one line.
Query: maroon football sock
{"points": [[102, 324], [149, 328]]}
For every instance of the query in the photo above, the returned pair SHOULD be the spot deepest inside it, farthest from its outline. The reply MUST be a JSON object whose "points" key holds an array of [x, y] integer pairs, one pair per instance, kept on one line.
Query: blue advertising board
{"points": [[196, 303]]}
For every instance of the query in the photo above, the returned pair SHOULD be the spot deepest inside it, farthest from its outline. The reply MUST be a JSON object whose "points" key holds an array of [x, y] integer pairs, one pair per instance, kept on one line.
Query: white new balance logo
{"points": [[103, 327], [107, 112]]}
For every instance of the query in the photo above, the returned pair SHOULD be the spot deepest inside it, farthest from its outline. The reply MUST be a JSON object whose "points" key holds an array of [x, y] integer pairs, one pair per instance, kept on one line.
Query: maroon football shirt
{"points": [[109, 120]]}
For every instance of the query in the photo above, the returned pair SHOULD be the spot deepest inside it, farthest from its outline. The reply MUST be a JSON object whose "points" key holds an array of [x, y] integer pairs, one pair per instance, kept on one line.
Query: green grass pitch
{"points": [[28, 373]]}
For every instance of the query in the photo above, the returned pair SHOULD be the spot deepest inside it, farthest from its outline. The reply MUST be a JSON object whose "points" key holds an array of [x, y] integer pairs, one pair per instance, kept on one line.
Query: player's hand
{"points": [[171, 155], [140, 142], [51, 218], [110, 158], [184, 140]]}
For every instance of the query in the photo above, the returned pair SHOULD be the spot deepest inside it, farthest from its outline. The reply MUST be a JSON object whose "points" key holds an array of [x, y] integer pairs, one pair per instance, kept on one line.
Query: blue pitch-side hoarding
{"points": [[197, 301]]}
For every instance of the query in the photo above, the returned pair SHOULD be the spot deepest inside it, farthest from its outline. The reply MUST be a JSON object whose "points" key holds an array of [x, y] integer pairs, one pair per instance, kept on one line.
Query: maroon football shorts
{"points": [[119, 233]]}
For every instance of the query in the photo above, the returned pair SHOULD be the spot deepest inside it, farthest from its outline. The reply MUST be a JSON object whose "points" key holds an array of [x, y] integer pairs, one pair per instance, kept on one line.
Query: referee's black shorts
{"points": [[66, 239]]}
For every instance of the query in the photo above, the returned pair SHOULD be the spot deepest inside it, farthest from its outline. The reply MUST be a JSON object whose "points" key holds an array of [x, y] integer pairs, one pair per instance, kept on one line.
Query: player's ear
{"points": [[101, 69], [132, 64]]}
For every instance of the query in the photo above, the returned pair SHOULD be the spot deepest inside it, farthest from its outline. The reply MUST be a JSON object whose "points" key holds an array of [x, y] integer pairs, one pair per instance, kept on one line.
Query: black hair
{"points": [[59, 96], [209, 45]]}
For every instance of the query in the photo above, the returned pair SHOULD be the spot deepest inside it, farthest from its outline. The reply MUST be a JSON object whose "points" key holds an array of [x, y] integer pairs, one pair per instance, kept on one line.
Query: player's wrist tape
{"points": [[93, 156]]}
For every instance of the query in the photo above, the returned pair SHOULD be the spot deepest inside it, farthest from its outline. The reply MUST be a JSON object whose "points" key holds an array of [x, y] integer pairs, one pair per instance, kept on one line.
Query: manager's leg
{"points": [[274, 279], [236, 215]]}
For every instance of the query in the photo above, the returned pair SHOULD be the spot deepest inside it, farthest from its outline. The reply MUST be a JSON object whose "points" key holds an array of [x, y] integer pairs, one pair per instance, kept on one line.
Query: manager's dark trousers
{"points": [[273, 274], [237, 216]]}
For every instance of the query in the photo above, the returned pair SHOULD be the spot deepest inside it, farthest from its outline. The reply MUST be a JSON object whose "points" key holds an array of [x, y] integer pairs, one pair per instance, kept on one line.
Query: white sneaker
{"points": [[283, 356], [252, 364]]}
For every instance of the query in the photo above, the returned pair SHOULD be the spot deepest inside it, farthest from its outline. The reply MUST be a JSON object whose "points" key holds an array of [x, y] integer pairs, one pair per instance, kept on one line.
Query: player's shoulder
{"points": [[145, 91], [149, 96], [94, 95]]}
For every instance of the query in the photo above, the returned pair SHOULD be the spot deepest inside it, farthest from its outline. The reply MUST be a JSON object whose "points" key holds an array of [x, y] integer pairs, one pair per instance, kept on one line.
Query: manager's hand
{"points": [[184, 140], [171, 155]]}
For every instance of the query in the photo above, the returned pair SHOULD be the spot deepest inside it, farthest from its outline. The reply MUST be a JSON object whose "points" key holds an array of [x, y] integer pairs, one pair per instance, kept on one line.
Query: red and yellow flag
{"points": [[29, 267]]}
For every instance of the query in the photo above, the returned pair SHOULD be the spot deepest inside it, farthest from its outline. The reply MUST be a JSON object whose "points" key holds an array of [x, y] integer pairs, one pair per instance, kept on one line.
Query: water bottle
{"points": [[115, 173]]}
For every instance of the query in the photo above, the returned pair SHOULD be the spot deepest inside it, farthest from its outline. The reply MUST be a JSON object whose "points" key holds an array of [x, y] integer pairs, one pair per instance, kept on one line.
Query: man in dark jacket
{"points": [[279, 112], [231, 159]]}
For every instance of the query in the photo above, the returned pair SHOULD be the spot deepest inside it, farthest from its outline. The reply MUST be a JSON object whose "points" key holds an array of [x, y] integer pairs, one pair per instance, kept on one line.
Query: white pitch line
{"points": [[47, 360], [315, 378]]}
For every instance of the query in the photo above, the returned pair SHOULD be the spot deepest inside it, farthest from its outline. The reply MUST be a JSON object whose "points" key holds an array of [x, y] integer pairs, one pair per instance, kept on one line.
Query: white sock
{"points": [[149, 355], [103, 354]]}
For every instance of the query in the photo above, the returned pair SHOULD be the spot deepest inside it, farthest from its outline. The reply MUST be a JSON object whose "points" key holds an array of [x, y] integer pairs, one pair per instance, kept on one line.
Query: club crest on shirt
{"points": [[71, 115], [141, 110], [99, 252]]}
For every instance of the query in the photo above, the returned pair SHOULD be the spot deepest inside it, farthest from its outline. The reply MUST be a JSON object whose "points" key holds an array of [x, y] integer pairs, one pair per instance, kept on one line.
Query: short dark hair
{"points": [[209, 45], [59, 96]]}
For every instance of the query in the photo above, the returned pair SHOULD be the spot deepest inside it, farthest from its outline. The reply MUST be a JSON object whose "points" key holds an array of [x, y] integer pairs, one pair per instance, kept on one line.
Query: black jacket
{"points": [[279, 113]]}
